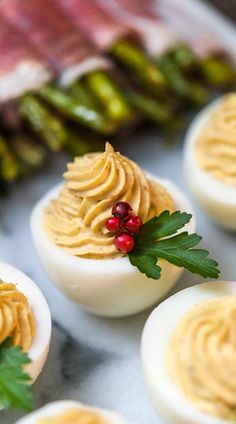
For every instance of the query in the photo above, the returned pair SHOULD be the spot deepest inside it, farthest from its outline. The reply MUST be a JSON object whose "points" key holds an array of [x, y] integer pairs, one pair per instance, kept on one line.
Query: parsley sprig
{"points": [[158, 239], [15, 389]]}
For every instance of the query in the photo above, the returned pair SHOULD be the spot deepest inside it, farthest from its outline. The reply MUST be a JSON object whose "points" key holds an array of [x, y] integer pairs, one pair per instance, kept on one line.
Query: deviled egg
{"points": [[78, 252], [210, 160], [68, 412], [25, 317], [189, 355]]}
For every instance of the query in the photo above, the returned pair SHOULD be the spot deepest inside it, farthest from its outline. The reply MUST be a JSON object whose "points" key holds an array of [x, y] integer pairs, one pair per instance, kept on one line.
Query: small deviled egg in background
{"points": [[38, 350], [181, 344], [210, 160], [63, 411], [78, 251]]}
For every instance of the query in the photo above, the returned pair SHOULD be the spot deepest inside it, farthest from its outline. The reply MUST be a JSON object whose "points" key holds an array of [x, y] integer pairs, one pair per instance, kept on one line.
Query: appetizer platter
{"points": [[94, 246]]}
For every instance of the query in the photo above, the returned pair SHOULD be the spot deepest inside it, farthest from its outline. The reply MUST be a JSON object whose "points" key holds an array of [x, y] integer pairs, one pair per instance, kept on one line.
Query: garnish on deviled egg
{"points": [[25, 330], [17, 330], [108, 216], [145, 245], [75, 220], [15, 389]]}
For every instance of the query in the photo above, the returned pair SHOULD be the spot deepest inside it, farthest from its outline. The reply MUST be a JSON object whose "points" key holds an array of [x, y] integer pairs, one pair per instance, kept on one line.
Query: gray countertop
{"points": [[95, 360]]}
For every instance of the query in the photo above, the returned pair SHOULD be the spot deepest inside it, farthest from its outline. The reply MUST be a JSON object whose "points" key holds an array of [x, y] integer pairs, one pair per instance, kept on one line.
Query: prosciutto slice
{"points": [[163, 23], [21, 68], [55, 36], [196, 33], [141, 16], [99, 26]]}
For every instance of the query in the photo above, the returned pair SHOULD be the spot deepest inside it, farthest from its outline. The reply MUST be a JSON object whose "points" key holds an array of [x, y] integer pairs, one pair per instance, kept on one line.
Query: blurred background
{"points": [[74, 73]]}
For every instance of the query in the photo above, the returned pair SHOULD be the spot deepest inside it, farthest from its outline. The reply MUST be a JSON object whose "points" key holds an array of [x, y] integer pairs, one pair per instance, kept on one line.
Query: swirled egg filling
{"points": [[73, 416], [93, 183], [216, 146], [201, 357], [16, 317]]}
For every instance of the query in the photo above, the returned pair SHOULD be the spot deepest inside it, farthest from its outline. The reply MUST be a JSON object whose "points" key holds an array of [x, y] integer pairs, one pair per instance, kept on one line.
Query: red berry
{"points": [[134, 224], [121, 210], [124, 242], [113, 224]]}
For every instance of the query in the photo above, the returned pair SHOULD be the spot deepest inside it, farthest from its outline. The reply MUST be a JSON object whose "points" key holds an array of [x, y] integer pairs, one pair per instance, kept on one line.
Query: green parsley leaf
{"points": [[146, 264], [15, 389], [182, 240], [179, 249], [164, 225]]}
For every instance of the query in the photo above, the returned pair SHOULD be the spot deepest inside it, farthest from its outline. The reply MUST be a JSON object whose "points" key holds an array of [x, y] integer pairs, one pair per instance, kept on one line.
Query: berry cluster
{"points": [[124, 225]]}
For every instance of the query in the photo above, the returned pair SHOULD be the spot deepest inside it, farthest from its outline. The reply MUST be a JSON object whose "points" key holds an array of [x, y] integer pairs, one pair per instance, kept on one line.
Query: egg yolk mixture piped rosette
{"points": [[73, 417], [202, 356], [16, 318], [216, 146], [93, 183]]}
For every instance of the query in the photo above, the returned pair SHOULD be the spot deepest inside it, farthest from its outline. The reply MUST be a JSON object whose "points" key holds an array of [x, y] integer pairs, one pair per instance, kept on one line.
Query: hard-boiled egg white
{"points": [[39, 349], [216, 197], [111, 287], [170, 403], [56, 408]]}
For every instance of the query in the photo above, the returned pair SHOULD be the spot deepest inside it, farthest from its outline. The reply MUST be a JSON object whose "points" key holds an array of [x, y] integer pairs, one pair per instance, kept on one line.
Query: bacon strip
{"points": [[99, 26], [21, 68], [55, 36]]}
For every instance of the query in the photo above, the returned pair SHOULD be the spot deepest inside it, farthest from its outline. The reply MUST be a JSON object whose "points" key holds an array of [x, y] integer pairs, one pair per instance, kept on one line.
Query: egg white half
{"points": [[56, 408], [216, 197], [169, 402], [110, 287], [39, 350]]}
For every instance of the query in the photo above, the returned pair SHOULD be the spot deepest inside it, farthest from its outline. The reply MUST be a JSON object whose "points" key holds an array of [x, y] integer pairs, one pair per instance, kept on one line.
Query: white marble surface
{"points": [[97, 360]]}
